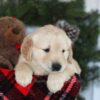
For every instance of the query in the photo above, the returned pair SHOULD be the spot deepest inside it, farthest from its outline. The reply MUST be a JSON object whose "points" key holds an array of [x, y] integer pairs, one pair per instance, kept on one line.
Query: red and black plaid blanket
{"points": [[37, 90]]}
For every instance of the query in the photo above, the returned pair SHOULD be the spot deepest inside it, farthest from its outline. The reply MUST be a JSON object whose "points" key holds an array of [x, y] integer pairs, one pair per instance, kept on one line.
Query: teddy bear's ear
{"points": [[71, 30], [26, 48]]}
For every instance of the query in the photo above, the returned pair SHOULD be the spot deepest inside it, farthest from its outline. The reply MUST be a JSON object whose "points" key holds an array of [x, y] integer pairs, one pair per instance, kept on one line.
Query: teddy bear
{"points": [[12, 33]]}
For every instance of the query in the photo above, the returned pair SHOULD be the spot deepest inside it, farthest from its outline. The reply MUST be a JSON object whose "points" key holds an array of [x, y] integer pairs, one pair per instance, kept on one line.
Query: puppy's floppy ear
{"points": [[26, 48], [72, 61], [70, 56]]}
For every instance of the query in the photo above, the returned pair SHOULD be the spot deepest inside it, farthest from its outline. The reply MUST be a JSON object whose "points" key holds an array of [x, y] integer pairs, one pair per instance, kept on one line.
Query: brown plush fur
{"points": [[12, 31]]}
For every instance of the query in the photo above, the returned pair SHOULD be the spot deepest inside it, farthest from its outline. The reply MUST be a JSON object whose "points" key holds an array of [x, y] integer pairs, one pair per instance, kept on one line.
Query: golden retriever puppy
{"points": [[46, 52]]}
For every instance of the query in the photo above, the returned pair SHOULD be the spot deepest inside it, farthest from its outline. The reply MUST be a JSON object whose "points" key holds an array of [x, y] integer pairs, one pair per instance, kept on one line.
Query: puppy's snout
{"points": [[56, 67]]}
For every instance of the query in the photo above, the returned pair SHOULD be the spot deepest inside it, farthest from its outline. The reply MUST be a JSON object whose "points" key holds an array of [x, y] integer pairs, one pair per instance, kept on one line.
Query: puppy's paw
{"points": [[55, 83], [23, 77]]}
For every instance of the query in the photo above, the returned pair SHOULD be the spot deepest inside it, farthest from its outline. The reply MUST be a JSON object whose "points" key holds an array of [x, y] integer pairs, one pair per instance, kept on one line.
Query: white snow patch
{"points": [[31, 29], [98, 43], [92, 64], [66, 0], [91, 5]]}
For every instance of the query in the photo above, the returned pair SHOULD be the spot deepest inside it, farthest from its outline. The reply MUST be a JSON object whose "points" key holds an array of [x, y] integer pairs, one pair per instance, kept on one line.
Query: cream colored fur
{"points": [[34, 59]]}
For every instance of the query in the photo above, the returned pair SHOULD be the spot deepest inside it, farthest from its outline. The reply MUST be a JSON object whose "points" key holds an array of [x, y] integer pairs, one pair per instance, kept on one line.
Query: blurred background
{"points": [[84, 14]]}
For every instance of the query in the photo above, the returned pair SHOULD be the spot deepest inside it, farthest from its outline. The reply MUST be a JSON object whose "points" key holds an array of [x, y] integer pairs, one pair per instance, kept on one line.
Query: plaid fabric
{"points": [[37, 90]]}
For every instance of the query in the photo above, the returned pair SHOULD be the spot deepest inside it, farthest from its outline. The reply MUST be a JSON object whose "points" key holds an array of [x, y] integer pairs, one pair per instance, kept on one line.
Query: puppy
{"points": [[48, 51]]}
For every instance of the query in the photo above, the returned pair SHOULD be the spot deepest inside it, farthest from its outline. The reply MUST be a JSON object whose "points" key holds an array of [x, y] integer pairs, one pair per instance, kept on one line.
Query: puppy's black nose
{"points": [[56, 67]]}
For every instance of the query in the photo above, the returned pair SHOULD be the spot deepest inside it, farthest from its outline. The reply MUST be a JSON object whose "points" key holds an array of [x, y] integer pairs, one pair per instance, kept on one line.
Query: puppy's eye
{"points": [[46, 50], [63, 51]]}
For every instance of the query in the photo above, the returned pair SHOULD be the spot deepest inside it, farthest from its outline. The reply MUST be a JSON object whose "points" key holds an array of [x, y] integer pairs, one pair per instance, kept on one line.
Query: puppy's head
{"points": [[50, 48]]}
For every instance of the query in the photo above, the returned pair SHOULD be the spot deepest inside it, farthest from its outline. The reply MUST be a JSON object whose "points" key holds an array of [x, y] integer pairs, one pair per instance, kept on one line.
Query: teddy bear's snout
{"points": [[56, 66]]}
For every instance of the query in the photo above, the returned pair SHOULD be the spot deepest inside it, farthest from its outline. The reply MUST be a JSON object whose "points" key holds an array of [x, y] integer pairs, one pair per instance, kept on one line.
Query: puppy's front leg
{"points": [[56, 81], [23, 74]]}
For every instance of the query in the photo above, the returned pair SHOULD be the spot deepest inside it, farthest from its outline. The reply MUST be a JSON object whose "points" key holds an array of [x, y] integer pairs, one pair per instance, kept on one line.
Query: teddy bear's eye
{"points": [[47, 49], [16, 30], [63, 50]]}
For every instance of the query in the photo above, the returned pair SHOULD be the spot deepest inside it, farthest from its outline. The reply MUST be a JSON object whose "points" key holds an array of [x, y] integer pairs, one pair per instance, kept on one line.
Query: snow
{"points": [[98, 44], [66, 0], [92, 64], [31, 29], [92, 5]]}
